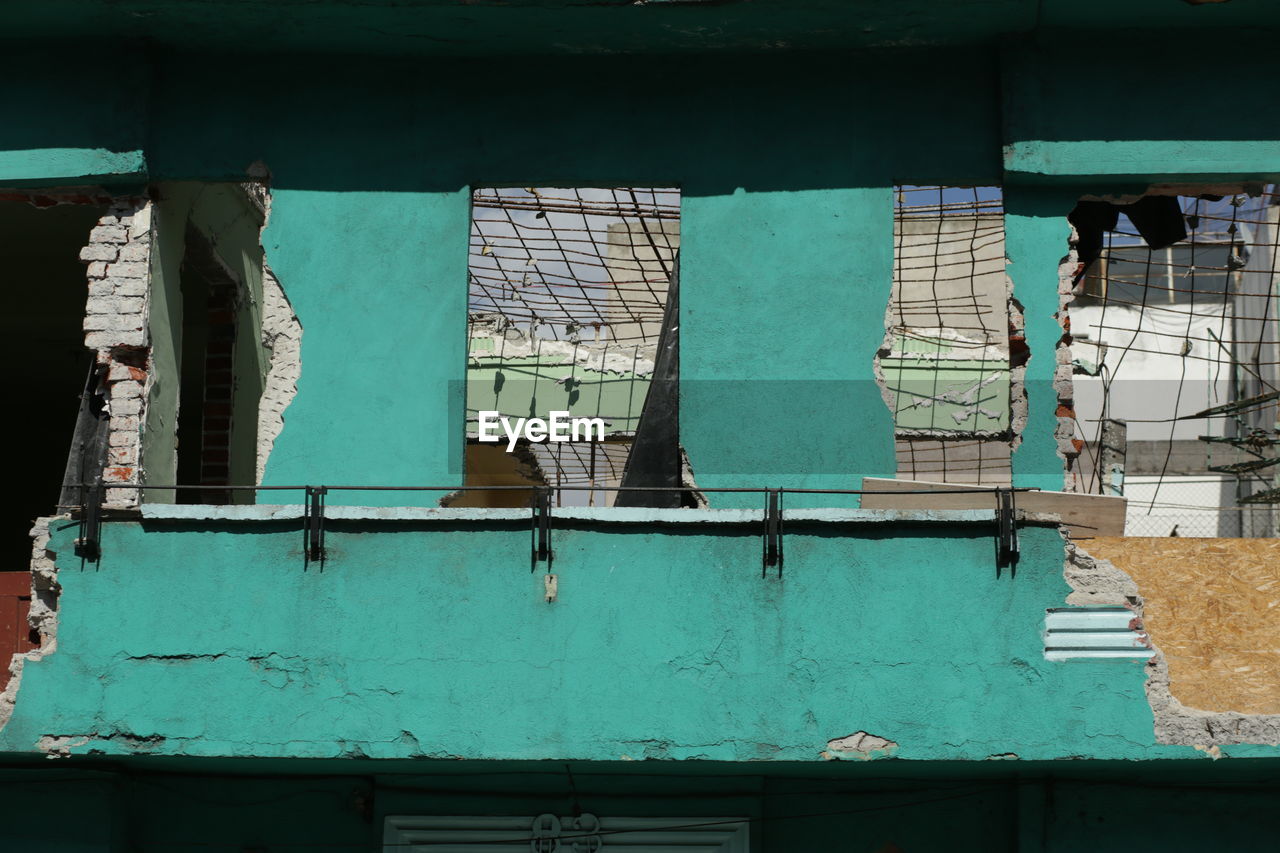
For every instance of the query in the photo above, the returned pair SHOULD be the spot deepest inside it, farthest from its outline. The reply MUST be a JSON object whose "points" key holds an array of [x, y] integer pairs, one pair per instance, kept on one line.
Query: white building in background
{"points": [[1161, 332]]}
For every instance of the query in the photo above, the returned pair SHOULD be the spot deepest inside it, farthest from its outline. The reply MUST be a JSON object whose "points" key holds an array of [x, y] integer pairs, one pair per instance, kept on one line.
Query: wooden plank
{"points": [[1085, 516]]}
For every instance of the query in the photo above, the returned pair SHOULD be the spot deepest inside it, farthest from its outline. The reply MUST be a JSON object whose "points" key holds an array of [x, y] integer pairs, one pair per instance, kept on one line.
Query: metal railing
{"points": [[90, 512]]}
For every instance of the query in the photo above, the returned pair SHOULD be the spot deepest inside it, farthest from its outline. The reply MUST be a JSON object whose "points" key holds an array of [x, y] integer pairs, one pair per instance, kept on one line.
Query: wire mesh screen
{"points": [[574, 264], [945, 361], [567, 290], [1177, 338]]}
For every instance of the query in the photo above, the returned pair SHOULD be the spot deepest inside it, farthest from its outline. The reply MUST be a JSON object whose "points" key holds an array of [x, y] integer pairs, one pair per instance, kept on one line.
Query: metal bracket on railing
{"points": [[772, 532], [1006, 528], [89, 545], [541, 528], [313, 525]]}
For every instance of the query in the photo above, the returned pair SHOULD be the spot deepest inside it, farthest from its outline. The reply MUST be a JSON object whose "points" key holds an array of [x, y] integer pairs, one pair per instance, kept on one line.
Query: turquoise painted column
{"points": [[783, 296], [379, 283], [1036, 235]]}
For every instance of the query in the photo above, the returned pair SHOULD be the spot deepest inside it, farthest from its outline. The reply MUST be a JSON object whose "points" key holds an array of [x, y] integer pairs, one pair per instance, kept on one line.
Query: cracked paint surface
{"points": [[208, 638]]}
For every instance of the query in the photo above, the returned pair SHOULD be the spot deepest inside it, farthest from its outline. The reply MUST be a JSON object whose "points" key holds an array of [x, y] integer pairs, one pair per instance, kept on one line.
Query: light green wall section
{"points": [[435, 640], [1204, 159], [937, 386], [233, 225]]}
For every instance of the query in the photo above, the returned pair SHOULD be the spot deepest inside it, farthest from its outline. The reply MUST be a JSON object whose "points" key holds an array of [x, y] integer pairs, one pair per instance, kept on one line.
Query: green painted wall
{"points": [[210, 639], [1036, 235], [201, 639], [69, 125], [1142, 114]]}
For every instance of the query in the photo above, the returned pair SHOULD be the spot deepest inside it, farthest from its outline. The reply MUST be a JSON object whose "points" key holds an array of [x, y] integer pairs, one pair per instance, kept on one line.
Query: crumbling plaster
{"points": [[43, 615], [118, 256], [282, 337]]}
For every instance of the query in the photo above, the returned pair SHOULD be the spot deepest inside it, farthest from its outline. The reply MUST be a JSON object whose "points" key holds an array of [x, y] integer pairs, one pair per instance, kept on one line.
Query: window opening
{"points": [[213, 400], [569, 291], [1177, 372], [946, 363]]}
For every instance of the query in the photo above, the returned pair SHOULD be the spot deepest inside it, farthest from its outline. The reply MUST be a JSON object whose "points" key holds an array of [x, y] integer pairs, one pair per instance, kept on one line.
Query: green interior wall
{"points": [[231, 224], [164, 324]]}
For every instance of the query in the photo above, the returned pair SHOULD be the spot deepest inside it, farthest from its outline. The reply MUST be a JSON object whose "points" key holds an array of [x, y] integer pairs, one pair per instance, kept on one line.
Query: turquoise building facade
{"points": [[205, 683]]}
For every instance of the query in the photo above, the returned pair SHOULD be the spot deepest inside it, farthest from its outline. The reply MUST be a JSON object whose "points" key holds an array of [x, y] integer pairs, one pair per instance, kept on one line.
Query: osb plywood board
{"points": [[1085, 516], [1213, 607]]}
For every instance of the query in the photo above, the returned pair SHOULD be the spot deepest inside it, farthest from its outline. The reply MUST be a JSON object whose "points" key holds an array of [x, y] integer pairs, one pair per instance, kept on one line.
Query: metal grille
{"points": [[1179, 342], [945, 361], [566, 299], [574, 264]]}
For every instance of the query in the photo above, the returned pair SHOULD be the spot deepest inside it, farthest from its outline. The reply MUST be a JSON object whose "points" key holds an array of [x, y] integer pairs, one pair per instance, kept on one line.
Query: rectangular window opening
{"points": [[946, 360], [572, 310]]}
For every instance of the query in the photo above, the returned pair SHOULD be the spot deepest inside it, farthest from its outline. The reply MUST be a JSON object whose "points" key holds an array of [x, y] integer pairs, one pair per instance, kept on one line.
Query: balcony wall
{"points": [[429, 636]]}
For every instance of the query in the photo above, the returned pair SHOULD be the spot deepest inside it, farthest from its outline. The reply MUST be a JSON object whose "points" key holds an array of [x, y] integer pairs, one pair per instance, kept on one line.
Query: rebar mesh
{"points": [[1164, 334], [945, 362], [567, 289]]}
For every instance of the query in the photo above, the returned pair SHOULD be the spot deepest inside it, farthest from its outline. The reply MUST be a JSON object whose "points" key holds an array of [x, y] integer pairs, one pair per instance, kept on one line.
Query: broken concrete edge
{"points": [[43, 615], [689, 481], [282, 336], [859, 746], [613, 515], [1068, 446], [1096, 582], [1019, 355]]}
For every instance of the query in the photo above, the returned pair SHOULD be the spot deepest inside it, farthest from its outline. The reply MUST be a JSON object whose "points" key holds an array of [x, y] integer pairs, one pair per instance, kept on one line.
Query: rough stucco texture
{"points": [[438, 641]]}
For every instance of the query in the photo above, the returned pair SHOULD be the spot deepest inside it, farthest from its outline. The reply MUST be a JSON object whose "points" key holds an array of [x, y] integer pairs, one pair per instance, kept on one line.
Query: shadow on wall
{"points": [[42, 328]]}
